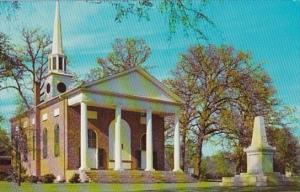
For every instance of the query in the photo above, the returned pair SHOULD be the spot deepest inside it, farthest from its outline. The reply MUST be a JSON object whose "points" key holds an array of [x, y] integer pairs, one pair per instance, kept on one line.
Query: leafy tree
{"points": [[286, 150], [4, 139], [187, 14], [209, 81], [125, 54], [218, 166]]}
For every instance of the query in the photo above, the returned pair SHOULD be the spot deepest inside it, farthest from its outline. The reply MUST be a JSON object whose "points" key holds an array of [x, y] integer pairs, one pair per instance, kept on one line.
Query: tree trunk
{"points": [[37, 93], [200, 145]]}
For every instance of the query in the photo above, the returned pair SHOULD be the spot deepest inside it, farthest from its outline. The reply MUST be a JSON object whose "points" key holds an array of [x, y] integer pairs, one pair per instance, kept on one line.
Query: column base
{"points": [[84, 169], [118, 169], [83, 176], [151, 169], [177, 170]]}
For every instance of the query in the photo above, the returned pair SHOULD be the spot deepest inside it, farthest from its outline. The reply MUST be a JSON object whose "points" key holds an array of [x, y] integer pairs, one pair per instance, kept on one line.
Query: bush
{"points": [[32, 179], [3, 176], [48, 178], [75, 178]]}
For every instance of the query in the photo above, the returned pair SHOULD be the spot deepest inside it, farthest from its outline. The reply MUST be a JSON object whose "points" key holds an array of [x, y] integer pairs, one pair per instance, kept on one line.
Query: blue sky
{"points": [[269, 30]]}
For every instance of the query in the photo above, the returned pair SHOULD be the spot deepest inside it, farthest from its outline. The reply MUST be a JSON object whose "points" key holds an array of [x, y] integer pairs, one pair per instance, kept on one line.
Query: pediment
{"points": [[135, 82]]}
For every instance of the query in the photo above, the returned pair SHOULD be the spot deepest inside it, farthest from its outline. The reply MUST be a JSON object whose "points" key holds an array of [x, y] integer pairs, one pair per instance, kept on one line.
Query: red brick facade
{"points": [[101, 126], [68, 121]]}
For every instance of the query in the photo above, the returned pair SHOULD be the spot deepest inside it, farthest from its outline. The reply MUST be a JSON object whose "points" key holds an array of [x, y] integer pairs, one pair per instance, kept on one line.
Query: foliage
{"points": [[185, 14], [5, 142], [216, 83], [218, 166], [32, 179], [75, 178], [48, 178], [126, 53], [3, 176], [286, 149], [180, 14]]}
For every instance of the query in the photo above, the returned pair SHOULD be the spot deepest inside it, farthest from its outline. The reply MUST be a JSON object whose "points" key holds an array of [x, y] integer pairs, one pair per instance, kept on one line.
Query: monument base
{"points": [[266, 179]]}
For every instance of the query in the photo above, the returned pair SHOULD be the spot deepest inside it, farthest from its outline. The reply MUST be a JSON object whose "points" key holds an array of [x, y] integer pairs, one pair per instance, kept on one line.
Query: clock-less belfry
{"points": [[259, 162]]}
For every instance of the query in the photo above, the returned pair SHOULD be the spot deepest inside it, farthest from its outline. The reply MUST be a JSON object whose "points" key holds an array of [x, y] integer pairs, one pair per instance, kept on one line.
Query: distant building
{"points": [[112, 123]]}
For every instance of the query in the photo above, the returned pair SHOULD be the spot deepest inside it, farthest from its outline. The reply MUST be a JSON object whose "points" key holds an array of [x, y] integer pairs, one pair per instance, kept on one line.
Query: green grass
{"points": [[202, 186]]}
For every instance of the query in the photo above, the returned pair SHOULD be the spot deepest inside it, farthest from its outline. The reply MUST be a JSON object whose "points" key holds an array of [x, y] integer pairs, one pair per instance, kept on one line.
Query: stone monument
{"points": [[259, 162]]}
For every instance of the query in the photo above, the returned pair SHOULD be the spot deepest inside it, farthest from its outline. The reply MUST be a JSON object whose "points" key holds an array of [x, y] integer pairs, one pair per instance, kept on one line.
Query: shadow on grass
{"points": [[168, 187]]}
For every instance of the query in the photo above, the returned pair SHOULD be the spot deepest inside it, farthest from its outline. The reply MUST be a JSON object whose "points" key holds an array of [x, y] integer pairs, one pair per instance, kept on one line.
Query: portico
{"points": [[152, 99]]}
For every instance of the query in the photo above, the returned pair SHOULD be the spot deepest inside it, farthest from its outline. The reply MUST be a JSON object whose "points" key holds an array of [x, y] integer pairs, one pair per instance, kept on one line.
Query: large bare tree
{"points": [[22, 67]]}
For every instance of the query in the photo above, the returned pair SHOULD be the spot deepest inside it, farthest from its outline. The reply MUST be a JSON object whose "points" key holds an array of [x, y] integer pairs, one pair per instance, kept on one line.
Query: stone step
{"points": [[108, 176]]}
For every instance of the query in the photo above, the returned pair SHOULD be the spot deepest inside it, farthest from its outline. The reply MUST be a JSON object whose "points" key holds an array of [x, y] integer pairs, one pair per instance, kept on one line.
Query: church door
{"points": [[92, 150], [125, 144]]}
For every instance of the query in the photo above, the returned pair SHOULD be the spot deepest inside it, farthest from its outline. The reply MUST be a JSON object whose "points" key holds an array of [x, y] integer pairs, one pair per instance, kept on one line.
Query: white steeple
{"points": [[57, 59], [58, 80], [57, 47]]}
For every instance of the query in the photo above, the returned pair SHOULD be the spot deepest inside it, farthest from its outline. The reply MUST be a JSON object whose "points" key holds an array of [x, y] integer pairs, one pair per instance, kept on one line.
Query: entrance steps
{"points": [[138, 176]]}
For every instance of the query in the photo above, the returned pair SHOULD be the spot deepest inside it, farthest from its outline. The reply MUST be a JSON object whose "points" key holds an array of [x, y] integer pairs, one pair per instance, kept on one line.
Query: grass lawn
{"points": [[202, 186]]}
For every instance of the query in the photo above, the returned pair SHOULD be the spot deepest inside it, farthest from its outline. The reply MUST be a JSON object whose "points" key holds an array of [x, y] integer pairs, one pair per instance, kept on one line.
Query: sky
{"points": [[269, 30]]}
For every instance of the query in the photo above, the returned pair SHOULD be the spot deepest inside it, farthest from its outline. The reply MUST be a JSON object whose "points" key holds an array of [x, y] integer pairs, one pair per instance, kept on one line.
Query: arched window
{"points": [[25, 148], [56, 140], [45, 143], [33, 145], [92, 138]]}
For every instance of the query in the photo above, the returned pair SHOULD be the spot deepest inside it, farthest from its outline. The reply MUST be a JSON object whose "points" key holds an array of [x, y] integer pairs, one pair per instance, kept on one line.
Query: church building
{"points": [[114, 123]]}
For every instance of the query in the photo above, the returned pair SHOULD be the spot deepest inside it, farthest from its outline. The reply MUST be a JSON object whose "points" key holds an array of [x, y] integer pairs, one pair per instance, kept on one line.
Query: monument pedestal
{"points": [[259, 162], [259, 180]]}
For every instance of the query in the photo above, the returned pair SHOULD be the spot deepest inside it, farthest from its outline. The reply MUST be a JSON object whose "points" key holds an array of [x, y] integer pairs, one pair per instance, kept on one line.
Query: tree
{"points": [[187, 14], [125, 54], [209, 81], [23, 67], [4, 139]]}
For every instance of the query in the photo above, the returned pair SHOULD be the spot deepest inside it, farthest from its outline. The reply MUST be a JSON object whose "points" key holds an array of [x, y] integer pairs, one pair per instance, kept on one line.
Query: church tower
{"points": [[57, 80]]}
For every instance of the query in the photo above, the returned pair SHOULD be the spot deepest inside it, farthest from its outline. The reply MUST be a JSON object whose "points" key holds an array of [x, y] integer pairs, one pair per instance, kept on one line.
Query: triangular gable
{"points": [[134, 82]]}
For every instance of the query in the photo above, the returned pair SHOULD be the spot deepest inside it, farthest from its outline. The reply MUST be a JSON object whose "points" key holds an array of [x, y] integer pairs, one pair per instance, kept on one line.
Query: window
{"points": [[45, 143], [56, 141], [25, 148], [54, 63], [60, 63], [91, 139], [48, 87], [5, 162], [33, 146]]}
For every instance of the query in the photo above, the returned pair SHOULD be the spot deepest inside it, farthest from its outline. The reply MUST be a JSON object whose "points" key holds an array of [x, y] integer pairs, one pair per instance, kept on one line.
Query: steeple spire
{"points": [[57, 47]]}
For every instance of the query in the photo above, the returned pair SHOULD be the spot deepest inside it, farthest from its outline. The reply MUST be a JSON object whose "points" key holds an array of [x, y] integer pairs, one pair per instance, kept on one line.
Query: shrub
{"points": [[75, 178], [32, 179], [48, 178], [3, 176]]}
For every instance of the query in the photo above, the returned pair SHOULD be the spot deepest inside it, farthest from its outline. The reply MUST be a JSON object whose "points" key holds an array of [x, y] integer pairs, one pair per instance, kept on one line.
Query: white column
{"points": [[83, 136], [118, 146], [149, 142], [177, 145]]}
